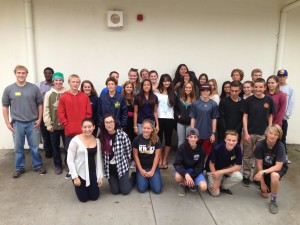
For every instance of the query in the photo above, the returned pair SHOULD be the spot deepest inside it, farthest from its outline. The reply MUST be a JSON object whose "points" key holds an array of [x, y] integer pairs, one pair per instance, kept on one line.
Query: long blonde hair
{"points": [[153, 136]]}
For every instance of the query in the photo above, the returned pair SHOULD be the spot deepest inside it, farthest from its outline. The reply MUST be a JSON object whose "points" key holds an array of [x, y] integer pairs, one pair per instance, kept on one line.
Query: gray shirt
{"points": [[23, 101]]}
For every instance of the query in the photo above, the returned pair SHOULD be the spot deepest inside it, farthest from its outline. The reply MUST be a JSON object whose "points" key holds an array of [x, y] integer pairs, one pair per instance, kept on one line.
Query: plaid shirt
{"points": [[122, 153]]}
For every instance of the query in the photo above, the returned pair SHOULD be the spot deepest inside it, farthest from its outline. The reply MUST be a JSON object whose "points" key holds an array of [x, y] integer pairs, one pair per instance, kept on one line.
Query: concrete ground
{"points": [[50, 199]]}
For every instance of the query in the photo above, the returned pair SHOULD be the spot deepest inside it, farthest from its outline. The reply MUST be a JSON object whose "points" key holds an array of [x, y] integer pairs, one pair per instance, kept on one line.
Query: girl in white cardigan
{"points": [[85, 163]]}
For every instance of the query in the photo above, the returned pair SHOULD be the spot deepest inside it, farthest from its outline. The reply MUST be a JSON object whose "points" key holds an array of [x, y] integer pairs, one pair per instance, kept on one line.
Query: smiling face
{"points": [[128, 89], [272, 136], [230, 141], [87, 88], [186, 78], [21, 76], [145, 75], [58, 83], [115, 75], [111, 86], [87, 128], [247, 88], [182, 70], [133, 76], [259, 89], [202, 80], [147, 130], [205, 93], [227, 88], [153, 78], [166, 83], [188, 89], [146, 86], [192, 140]]}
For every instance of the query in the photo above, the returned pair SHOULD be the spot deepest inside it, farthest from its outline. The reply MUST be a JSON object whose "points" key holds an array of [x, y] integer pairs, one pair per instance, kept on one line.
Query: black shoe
{"points": [[58, 170], [48, 155], [18, 173], [226, 191], [246, 182], [68, 176]]}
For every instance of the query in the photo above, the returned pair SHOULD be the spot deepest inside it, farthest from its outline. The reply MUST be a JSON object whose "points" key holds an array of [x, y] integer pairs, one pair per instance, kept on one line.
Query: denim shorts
{"points": [[196, 180]]}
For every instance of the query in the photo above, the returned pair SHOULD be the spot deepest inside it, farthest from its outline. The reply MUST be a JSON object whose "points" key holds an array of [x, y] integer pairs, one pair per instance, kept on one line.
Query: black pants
{"points": [[166, 127], [285, 126], [67, 143], [46, 139], [91, 192], [121, 185]]}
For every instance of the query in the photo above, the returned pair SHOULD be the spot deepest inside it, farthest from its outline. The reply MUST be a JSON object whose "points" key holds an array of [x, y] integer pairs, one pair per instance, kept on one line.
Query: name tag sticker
{"points": [[18, 93]]}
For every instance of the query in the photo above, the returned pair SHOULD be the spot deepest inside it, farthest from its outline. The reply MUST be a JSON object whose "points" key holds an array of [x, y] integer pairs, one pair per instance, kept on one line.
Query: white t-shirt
{"points": [[164, 110]]}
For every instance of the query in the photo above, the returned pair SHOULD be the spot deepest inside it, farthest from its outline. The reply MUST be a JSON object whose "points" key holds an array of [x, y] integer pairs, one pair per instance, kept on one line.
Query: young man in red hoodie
{"points": [[73, 107]]}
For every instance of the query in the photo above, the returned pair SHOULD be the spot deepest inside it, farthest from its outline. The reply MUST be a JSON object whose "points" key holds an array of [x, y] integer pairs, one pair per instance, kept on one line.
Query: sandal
{"points": [[165, 167]]}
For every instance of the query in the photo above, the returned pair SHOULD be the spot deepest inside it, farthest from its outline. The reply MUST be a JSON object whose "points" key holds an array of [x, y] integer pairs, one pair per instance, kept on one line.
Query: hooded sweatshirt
{"points": [[72, 109], [50, 109]]}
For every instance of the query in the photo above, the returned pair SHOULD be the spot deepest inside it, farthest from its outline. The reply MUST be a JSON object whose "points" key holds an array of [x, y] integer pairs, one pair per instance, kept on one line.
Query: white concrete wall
{"points": [[209, 36]]}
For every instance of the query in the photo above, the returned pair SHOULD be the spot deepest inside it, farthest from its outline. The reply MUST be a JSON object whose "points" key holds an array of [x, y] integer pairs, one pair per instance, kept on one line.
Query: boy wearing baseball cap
{"points": [[204, 114], [291, 102], [189, 163]]}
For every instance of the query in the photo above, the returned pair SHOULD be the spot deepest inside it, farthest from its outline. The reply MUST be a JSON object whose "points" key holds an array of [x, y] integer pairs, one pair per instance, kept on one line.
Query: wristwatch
{"points": [[263, 172]]}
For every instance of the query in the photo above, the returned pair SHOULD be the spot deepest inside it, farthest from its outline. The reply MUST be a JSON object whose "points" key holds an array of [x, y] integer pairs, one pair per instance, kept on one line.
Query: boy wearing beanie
{"points": [[51, 121]]}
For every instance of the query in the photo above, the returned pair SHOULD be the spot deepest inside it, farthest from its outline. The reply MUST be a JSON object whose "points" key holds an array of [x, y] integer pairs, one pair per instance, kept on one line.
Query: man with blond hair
{"points": [[24, 102]]}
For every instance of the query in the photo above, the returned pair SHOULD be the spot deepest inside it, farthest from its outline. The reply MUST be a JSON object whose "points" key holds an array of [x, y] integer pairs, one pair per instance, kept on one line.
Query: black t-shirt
{"points": [[112, 138], [222, 158], [270, 156], [146, 153], [258, 110]]}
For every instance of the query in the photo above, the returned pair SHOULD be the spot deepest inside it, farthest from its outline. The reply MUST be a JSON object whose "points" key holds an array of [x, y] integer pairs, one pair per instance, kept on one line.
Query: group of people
{"points": [[125, 126]]}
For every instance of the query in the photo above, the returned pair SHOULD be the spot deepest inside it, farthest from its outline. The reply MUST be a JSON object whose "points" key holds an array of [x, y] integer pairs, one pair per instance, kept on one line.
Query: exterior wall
{"points": [[209, 36]]}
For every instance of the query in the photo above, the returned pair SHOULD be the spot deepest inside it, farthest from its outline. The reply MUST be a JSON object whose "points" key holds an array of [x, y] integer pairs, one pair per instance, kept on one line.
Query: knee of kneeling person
{"points": [[178, 178], [214, 193], [238, 175], [275, 177], [202, 186], [157, 190]]}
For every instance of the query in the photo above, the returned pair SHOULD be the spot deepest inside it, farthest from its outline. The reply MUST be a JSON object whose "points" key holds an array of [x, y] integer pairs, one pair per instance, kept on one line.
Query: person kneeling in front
{"points": [[224, 164], [85, 163], [189, 164], [271, 163]]}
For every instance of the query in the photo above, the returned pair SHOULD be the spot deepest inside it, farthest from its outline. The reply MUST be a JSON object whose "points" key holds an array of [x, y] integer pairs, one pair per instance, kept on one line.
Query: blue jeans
{"points": [[55, 142], [22, 129], [155, 182], [181, 132]]}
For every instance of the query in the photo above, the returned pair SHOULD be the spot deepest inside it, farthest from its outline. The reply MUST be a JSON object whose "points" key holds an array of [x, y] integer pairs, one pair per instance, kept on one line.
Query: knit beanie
{"points": [[57, 75]]}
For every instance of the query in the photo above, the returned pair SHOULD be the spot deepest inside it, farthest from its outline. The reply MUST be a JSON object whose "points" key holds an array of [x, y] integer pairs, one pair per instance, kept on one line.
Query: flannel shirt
{"points": [[122, 153]]}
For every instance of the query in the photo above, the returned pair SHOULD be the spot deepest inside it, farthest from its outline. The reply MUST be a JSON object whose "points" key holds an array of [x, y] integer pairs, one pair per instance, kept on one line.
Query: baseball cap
{"points": [[282, 72], [192, 131], [205, 86]]}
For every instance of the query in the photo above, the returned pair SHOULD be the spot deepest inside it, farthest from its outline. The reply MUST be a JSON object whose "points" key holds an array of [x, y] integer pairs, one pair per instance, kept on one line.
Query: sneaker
{"points": [[246, 182], [41, 170], [18, 173], [68, 176], [58, 170], [273, 207], [288, 161], [226, 191], [257, 184], [181, 190], [193, 189]]}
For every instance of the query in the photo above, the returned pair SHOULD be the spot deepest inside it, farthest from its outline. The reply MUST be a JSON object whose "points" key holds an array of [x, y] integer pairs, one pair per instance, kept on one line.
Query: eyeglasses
{"points": [[109, 122]]}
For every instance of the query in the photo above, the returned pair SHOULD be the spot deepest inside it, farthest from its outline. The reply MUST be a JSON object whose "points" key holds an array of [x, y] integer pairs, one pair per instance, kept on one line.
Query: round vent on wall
{"points": [[115, 19]]}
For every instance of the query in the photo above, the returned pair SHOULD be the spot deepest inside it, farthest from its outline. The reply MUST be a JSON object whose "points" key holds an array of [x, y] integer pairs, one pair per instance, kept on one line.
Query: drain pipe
{"points": [[282, 31], [30, 41]]}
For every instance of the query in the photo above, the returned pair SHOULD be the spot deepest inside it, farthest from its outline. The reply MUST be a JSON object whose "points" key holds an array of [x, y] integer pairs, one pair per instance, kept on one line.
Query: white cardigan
{"points": [[78, 160]]}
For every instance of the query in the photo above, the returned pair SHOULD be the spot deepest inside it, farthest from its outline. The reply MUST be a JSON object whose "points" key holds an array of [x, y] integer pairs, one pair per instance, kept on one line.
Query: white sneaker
{"points": [[288, 161]]}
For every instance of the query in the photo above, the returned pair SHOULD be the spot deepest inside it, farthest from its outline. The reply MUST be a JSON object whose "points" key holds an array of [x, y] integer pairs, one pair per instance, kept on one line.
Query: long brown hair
{"points": [[184, 96], [104, 136], [93, 91], [129, 99], [153, 136], [277, 90]]}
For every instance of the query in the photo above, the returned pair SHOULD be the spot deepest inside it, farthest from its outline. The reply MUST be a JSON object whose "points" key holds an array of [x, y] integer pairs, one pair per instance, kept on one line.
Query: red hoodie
{"points": [[72, 109]]}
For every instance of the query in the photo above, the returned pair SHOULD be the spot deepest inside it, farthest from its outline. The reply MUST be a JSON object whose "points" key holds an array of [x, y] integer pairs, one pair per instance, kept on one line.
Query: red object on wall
{"points": [[140, 17]]}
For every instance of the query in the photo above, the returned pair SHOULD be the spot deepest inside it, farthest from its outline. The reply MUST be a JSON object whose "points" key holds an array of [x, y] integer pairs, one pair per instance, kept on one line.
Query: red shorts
{"points": [[207, 145]]}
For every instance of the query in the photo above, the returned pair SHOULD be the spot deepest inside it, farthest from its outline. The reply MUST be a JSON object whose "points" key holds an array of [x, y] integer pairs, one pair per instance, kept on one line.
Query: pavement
{"points": [[50, 199]]}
